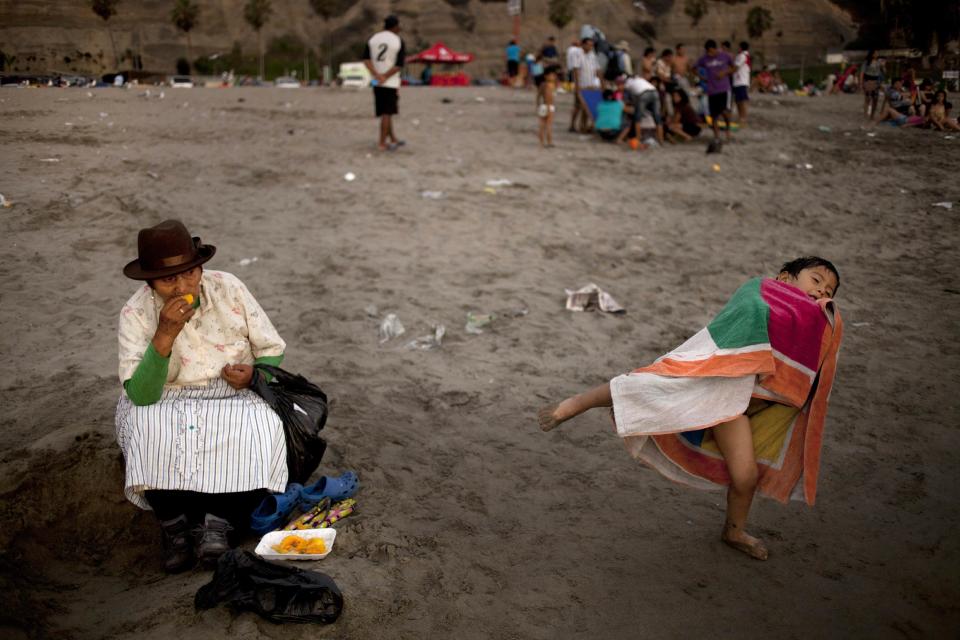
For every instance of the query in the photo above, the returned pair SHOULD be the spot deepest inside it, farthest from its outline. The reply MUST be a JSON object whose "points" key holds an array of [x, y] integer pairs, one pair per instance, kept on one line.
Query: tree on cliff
{"points": [[561, 14], [759, 21], [106, 9], [184, 15], [256, 13], [927, 25], [696, 9], [327, 9]]}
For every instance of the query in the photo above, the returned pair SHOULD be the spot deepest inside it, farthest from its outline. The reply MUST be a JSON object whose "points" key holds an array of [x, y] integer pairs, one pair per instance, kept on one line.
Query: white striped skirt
{"points": [[211, 439]]}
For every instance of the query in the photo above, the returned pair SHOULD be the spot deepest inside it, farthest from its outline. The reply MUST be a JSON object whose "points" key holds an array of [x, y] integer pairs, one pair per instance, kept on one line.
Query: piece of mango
{"points": [[188, 297]]}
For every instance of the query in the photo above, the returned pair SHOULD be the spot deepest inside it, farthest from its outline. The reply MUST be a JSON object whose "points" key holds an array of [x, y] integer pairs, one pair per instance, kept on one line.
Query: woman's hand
{"points": [[174, 315], [237, 376]]}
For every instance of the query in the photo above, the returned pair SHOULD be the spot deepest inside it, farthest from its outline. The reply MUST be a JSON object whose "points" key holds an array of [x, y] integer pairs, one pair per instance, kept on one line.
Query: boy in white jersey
{"points": [[741, 81], [384, 59]]}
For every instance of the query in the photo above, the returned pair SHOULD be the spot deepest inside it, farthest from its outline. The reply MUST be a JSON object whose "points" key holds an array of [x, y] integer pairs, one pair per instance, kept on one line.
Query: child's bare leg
{"points": [[551, 417], [549, 129], [735, 440], [541, 131]]}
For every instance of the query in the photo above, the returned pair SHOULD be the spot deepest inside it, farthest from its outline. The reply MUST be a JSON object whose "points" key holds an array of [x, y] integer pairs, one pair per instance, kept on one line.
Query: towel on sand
{"points": [[771, 353]]}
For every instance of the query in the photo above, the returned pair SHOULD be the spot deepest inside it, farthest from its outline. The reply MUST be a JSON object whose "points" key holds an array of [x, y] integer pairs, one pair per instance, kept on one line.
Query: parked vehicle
{"points": [[286, 82], [354, 74]]}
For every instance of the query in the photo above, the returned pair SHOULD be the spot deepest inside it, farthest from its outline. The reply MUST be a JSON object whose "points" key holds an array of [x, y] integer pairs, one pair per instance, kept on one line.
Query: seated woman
{"points": [[684, 123], [200, 448], [937, 114], [609, 117]]}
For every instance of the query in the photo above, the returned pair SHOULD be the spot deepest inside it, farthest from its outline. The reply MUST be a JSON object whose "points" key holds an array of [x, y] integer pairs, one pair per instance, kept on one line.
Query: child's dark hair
{"points": [[794, 267], [607, 94]]}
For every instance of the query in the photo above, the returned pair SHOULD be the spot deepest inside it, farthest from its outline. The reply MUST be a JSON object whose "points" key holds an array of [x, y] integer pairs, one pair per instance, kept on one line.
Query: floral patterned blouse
{"points": [[230, 327]]}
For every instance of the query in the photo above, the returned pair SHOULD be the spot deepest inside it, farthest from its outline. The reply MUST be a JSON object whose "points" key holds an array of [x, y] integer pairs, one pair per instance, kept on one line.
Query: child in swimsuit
{"points": [[937, 115], [810, 278], [546, 107]]}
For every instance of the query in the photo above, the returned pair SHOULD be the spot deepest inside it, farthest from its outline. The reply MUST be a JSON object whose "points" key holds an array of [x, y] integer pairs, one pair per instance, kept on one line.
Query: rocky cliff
{"points": [[50, 35]]}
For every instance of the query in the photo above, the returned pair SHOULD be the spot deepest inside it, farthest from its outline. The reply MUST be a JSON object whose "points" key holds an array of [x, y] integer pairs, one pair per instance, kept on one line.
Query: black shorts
{"points": [[719, 104], [385, 101], [513, 68]]}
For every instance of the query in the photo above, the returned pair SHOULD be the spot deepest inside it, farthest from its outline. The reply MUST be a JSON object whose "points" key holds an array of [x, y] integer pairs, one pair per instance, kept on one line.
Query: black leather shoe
{"points": [[211, 538], [177, 552]]}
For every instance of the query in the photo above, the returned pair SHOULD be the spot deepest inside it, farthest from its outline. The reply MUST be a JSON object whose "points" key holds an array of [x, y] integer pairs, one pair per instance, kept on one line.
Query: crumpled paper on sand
{"points": [[592, 297]]}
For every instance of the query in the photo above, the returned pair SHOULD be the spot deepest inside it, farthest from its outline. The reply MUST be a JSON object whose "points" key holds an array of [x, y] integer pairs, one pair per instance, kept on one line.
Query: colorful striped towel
{"points": [[771, 353]]}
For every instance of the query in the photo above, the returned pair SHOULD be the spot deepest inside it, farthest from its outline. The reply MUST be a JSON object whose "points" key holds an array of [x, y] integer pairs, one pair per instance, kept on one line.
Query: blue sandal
{"points": [[275, 509], [328, 487]]}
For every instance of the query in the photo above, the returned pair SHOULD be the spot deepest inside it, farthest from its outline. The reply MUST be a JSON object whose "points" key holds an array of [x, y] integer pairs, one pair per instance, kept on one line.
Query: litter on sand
{"points": [[431, 195], [824, 128], [49, 159], [390, 328], [499, 182], [6, 204], [592, 297], [861, 324], [371, 310], [154, 175], [490, 190], [248, 261], [945, 205], [476, 322], [349, 176], [431, 341]]}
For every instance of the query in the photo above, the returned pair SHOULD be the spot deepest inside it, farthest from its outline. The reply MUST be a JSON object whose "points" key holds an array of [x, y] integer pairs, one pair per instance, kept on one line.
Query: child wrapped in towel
{"points": [[740, 404]]}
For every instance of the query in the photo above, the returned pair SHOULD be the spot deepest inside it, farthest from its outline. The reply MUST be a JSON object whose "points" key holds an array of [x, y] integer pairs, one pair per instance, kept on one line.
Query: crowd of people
{"points": [[671, 97], [665, 97]]}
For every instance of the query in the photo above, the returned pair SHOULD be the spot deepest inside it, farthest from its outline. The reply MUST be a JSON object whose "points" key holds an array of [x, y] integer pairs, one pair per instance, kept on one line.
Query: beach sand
{"points": [[472, 523]]}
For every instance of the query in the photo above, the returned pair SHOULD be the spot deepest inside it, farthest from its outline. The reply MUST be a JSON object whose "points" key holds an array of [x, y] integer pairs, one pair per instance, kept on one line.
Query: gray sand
{"points": [[473, 523]]}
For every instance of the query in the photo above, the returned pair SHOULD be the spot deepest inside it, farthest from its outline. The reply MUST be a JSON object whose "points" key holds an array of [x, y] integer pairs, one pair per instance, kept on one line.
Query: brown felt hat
{"points": [[165, 250]]}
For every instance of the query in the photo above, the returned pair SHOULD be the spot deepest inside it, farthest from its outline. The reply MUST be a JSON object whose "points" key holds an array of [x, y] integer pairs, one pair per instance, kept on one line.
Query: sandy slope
{"points": [[473, 523]]}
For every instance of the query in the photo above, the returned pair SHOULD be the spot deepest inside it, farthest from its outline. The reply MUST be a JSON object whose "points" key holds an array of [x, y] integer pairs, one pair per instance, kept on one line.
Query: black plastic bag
{"points": [[302, 407], [274, 591]]}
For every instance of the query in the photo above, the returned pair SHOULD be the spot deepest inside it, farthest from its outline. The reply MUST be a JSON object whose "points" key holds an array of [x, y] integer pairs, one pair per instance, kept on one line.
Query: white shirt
{"points": [[574, 54], [741, 77], [385, 51], [589, 65], [230, 327], [637, 85]]}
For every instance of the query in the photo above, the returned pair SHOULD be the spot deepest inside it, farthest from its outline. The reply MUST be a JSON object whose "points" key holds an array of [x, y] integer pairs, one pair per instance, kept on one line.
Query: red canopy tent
{"points": [[440, 53]]}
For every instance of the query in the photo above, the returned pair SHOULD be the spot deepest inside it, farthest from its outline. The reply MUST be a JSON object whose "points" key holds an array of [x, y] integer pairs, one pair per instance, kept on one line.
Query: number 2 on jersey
{"points": [[381, 52]]}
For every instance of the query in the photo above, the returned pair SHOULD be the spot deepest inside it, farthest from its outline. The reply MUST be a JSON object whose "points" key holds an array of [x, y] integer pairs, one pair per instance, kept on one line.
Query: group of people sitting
{"points": [[922, 106], [905, 102], [667, 98]]}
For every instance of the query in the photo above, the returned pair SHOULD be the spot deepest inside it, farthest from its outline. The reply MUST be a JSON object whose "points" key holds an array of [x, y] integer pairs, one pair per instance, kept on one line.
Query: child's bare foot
{"points": [[552, 417], [548, 418], [742, 541]]}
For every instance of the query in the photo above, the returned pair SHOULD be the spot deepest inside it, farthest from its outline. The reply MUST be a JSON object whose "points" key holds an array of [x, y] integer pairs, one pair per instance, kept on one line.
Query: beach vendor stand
{"points": [[452, 74]]}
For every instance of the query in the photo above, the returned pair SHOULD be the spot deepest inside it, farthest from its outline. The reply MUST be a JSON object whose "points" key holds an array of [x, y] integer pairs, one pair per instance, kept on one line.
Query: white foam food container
{"points": [[274, 538]]}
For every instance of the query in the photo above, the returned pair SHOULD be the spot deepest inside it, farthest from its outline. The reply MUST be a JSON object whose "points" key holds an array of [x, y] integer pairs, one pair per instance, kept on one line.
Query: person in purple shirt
{"points": [[715, 67]]}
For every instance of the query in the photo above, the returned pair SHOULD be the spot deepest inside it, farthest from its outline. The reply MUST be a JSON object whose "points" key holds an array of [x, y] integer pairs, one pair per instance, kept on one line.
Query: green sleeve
{"points": [[145, 386], [271, 360]]}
